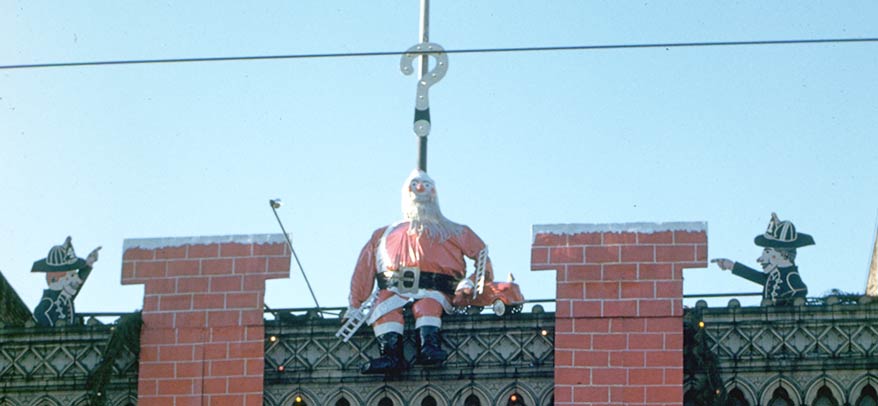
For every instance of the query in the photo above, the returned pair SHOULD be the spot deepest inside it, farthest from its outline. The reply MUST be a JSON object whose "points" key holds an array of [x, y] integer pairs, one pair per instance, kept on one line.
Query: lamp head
{"points": [[275, 203]]}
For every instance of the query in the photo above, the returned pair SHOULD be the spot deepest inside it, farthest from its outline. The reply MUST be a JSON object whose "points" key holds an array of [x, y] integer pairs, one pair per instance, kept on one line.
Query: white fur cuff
{"points": [[428, 321], [389, 327]]}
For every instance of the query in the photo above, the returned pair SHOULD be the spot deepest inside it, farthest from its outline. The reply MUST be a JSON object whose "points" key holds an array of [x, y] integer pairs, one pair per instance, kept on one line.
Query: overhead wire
{"points": [[448, 51]]}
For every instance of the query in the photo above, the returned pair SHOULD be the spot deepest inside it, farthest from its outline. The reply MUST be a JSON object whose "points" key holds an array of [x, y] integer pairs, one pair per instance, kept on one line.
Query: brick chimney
{"points": [[619, 327], [203, 333]]}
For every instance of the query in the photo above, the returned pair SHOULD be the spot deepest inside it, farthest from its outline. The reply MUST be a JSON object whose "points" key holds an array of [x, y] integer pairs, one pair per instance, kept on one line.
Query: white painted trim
{"points": [[645, 228], [428, 321], [389, 327], [386, 306], [400, 300], [383, 262], [156, 243]]}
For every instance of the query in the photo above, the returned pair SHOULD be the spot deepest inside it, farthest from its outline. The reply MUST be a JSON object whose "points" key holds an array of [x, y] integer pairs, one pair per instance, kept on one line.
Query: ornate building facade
{"points": [[52, 366], [800, 355], [617, 337], [824, 354], [491, 359]]}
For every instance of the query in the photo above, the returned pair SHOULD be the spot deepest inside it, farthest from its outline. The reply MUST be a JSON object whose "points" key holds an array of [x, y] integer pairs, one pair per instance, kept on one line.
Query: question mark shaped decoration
{"points": [[422, 102]]}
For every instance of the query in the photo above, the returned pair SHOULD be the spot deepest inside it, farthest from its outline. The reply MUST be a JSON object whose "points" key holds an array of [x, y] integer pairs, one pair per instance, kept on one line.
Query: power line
{"points": [[449, 51]]}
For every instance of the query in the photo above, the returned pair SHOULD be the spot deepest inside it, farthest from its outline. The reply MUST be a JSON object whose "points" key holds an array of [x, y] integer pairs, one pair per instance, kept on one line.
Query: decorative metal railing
{"points": [[800, 348], [490, 357]]}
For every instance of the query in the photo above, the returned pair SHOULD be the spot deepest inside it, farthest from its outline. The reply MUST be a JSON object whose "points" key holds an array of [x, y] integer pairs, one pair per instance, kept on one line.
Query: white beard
{"points": [[425, 217]]}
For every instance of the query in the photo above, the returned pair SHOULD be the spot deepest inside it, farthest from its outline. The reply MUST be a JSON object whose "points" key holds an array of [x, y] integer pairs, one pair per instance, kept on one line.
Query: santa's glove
{"points": [[466, 286], [349, 311]]}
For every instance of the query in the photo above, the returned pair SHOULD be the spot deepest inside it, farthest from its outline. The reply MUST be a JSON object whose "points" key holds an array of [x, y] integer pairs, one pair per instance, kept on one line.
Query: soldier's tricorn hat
{"points": [[782, 234], [61, 258]]}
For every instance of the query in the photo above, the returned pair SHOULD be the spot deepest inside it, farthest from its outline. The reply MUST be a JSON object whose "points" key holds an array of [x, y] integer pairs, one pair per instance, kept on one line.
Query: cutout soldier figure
{"points": [[65, 275], [780, 277], [419, 259]]}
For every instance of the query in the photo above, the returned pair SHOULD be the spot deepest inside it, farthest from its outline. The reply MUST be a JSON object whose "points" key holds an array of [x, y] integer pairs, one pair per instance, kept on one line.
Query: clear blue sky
{"points": [[724, 135]]}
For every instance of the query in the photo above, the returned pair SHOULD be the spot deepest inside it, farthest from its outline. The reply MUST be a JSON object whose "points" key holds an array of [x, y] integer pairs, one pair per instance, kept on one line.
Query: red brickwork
{"points": [[203, 336], [619, 328]]}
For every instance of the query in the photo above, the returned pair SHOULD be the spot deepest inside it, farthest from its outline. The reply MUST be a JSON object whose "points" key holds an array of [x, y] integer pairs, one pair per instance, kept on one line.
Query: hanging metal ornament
{"points": [[426, 79], [422, 101]]}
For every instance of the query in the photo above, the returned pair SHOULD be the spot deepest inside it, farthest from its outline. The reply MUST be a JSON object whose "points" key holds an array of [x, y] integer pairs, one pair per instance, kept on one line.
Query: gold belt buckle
{"points": [[409, 279]]}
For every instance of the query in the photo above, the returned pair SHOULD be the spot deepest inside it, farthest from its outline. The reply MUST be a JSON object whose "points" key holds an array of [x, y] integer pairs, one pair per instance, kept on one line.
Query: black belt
{"points": [[428, 280]]}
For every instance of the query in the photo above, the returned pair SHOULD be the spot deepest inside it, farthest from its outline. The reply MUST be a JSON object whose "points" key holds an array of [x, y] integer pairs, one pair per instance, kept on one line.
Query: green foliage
{"points": [[125, 337], [700, 365], [842, 296]]}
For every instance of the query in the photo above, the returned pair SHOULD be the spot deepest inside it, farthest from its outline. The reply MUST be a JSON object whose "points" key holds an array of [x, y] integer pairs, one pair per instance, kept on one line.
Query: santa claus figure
{"points": [[421, 260]]}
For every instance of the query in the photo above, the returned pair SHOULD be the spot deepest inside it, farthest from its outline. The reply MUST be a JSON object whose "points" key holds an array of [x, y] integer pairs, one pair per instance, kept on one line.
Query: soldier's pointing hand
{"points": [[723, 263], [92, 257]]}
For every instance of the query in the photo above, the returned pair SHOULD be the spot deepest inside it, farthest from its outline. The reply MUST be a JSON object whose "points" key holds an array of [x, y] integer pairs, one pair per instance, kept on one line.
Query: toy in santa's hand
{"points": [[503, 298]]}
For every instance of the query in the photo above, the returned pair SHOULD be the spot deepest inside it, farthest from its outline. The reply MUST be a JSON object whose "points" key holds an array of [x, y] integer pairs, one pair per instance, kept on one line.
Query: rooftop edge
{"points": [[165, 242], [643, 228]]}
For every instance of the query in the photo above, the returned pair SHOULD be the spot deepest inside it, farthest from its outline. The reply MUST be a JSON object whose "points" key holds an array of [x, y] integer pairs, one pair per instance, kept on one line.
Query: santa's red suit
{"points": [[440, 265], [420, 259]]}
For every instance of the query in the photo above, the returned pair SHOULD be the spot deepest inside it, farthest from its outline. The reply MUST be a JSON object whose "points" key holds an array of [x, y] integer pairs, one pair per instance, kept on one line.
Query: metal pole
{"points": [[424, 37], [293, 251], [424, 34]]}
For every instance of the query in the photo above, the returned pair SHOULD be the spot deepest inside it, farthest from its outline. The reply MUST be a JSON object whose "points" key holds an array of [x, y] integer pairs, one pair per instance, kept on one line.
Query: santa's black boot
{"points": [[391, 360], [431, 352]]}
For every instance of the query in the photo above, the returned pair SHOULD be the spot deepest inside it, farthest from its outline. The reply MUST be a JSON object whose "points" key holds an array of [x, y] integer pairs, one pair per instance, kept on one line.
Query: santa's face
{"points": [[770, 258], [422, 190]]}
